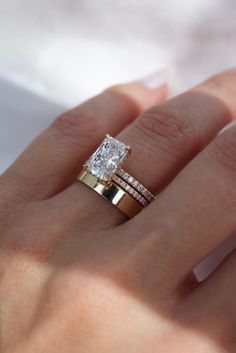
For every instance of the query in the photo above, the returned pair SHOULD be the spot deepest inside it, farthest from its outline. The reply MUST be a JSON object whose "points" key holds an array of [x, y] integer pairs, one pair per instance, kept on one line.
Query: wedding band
{"points": [[102, 172], [127, 187], [113, 193], [136, 185]]}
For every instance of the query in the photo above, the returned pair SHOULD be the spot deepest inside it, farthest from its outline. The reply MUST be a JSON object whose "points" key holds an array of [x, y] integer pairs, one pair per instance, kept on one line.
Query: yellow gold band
{"points": [[112, 192]]}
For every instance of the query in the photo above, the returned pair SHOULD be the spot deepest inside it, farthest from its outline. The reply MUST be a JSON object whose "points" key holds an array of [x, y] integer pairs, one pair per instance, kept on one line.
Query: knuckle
{"points": [[223, 82], [77, 125], [216, 81], [168, 125], [224, 150]]}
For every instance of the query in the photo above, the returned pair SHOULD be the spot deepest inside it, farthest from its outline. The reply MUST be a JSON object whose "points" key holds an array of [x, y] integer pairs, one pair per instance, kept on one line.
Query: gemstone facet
{"points": [[107, 159]]}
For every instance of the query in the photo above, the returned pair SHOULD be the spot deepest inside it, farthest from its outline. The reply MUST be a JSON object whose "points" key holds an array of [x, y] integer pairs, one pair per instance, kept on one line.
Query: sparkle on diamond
{"points": [[107, 158]]}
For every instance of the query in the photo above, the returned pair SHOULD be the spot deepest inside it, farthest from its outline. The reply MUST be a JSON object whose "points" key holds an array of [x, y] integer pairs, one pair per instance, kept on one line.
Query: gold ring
{"points": [[103, 173], [113, 193]]}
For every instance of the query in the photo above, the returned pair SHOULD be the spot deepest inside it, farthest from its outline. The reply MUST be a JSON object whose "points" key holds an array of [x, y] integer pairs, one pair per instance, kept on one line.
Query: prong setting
{"points": [[107, 159], [105, 164]]}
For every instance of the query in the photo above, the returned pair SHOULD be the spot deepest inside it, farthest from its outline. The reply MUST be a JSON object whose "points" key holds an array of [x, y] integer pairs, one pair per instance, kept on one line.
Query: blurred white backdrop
{"points": [[53, 54], [67, 50]]}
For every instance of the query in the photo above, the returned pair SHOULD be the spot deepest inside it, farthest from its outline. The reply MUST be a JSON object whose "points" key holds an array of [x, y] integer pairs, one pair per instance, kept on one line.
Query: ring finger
{"points": [[164, 138]]}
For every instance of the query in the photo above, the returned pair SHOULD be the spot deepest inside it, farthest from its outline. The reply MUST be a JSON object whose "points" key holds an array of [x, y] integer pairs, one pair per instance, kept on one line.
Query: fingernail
{"points": [[156, 79], [228, 126]]}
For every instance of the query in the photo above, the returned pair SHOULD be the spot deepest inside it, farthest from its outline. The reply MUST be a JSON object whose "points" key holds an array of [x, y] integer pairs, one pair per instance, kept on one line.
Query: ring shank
{"points": [[113, 193]]}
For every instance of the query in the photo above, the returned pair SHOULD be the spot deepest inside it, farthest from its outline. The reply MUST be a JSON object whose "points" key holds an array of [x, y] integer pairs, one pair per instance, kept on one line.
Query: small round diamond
{"points": [[130, 179], [132, 192]]}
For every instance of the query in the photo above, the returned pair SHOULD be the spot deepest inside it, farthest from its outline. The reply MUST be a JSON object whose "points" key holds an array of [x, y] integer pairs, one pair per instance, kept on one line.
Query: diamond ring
{"points": [[103, 173]]}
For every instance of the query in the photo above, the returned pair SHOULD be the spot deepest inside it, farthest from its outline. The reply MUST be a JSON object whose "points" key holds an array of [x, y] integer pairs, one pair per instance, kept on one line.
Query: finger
{"points": [[196, 213], [164, 138], [52, 161]]}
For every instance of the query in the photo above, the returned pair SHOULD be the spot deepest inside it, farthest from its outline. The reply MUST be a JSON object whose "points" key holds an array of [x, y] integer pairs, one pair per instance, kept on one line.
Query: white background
{"points": [[55, 53]]}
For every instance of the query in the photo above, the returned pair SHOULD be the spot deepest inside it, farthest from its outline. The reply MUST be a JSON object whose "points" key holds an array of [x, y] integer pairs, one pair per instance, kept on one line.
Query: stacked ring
{"points": [[103, 173]]}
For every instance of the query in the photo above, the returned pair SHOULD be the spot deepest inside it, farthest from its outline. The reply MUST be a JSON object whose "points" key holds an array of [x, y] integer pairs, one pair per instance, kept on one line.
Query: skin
{"points": [[77, 276]]}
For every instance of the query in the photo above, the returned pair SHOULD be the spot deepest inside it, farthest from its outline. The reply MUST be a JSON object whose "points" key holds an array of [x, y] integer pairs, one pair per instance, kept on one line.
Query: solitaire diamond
{"points": [[107, 159]]}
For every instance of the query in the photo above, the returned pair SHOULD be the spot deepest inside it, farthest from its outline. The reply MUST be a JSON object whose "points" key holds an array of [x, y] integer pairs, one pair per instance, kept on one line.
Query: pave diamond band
{"points": [[103, 173], [136, 185], [134, 193]]}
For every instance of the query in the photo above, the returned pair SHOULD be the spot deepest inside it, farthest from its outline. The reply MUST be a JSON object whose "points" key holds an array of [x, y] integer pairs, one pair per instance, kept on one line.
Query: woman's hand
{"points": [[77, 276]]}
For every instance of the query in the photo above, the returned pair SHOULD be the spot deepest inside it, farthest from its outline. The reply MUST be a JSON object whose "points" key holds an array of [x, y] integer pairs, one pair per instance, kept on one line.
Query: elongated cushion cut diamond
{"points": [[107, 159]]}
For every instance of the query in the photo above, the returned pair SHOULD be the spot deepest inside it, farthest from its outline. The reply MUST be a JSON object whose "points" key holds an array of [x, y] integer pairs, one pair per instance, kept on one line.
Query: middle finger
{"points": [[168, 136]]}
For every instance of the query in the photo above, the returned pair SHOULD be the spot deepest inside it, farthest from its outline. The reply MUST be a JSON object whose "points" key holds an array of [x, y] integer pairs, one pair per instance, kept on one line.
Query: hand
{"points": [[77, 276]]}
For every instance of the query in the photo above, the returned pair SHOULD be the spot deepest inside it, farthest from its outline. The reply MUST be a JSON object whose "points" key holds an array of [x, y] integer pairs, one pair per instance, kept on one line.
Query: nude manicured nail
{"points": [[228, 126], [156, 79]]}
